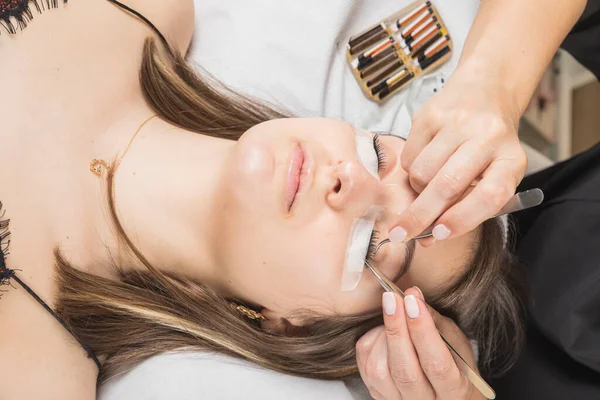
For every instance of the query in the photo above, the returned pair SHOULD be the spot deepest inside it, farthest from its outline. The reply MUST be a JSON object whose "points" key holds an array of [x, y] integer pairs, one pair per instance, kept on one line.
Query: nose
{"points": [[354, 189]]}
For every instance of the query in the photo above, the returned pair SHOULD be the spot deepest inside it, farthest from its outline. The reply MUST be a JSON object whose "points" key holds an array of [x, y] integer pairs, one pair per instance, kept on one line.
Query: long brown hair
{"points": [[148, 312]]}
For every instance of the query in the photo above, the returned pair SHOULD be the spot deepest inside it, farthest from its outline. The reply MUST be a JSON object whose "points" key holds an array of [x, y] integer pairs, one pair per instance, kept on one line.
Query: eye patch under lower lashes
{"points": [[367, 153], [358, 247]]}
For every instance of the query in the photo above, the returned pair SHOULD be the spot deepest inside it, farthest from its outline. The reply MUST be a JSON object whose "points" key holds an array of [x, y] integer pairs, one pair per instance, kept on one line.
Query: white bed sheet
{"points": [[193, 376]]}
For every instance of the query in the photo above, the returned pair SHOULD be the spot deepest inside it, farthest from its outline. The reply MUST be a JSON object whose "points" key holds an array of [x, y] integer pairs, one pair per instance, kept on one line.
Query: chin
{"points": [[253, 163]]}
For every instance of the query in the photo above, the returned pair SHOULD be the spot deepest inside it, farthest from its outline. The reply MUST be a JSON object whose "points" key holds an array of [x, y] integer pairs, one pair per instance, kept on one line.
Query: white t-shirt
{"points": [[292, 53]]}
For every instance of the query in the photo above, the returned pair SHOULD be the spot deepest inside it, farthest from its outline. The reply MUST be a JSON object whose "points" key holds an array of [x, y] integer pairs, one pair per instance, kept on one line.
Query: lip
{"points": [[294, 175]]}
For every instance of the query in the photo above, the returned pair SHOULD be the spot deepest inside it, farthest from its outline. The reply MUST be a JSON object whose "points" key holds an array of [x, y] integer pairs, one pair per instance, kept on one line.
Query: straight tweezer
{"points": [[463, 366]]}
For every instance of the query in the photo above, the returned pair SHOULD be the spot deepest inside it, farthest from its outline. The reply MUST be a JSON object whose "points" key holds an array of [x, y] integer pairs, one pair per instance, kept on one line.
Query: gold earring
{"points": [[247, 312]]}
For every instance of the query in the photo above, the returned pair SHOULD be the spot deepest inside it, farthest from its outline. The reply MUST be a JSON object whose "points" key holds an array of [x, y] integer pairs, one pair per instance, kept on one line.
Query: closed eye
{"points": [[371, 152]]}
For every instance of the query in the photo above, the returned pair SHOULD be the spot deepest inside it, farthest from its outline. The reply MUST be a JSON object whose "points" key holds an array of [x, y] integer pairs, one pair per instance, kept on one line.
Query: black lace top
{"points": [[16, 14]]}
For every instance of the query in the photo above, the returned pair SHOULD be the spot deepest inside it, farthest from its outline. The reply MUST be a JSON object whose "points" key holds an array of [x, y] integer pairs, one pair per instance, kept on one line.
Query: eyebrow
{"points": [[408, 257]]}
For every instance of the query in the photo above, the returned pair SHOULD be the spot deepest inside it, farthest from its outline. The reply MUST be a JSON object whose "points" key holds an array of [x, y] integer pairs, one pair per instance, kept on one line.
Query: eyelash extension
{"points": [[372, 245], [5, 273], [381, 157], [16, 14]]}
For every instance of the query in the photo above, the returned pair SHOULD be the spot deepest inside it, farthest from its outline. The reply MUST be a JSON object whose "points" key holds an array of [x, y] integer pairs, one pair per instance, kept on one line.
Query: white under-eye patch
{"points": [[358, 246], [366, 151]]}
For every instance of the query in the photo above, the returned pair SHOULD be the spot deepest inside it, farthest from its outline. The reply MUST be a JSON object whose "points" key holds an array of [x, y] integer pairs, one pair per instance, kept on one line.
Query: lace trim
{"points": [[16, 14], [6, 274]]}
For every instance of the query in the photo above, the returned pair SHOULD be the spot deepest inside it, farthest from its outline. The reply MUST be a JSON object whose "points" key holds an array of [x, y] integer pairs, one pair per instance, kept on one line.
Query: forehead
{"points": [[437, 267]]}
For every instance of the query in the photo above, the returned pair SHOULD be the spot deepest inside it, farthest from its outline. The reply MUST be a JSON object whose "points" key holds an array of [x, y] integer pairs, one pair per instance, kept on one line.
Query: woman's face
{"points": [[287, 201]]}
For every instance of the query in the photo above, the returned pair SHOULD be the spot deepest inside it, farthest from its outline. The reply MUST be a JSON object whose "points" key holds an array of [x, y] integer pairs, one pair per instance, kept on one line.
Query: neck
{"points": [[165, 198]]}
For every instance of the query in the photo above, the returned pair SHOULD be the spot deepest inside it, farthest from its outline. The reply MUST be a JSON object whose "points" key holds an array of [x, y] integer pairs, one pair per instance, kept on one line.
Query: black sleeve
{"points": [[559, 247], [561, 254], [583, 42]]}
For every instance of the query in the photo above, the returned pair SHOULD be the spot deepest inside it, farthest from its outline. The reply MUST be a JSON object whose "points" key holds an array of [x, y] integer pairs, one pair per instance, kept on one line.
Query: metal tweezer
{"points": [[463, 366], [520, 201]]}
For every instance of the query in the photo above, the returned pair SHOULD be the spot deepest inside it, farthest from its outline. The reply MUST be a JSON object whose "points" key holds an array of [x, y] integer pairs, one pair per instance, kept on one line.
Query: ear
{"points": [[276, 323]]}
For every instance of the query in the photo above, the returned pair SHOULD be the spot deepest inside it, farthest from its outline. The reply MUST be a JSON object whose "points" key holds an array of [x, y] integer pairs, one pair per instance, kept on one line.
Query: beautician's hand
{"points": [[466, 132], [407, 360]]}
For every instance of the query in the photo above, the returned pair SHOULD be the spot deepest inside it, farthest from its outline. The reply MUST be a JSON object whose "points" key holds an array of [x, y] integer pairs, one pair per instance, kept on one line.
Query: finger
{"points": [[363, 349], [424, 127], [403, 361], [456, 337], [426, 242], [375, 394], [366, 342], [377, 370], [435, 358], [487, 198], [466, 164], [450, 330], [432, 158]]}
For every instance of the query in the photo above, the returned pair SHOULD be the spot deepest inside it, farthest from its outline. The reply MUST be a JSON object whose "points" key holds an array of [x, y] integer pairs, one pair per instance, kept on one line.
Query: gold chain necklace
{"points": [[97, 166]]}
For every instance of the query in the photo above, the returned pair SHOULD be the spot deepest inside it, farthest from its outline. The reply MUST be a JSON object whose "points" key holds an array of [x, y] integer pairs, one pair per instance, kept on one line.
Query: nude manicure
{"points": [[397, 235], [441, 232], [389, 303], [411, 305]]}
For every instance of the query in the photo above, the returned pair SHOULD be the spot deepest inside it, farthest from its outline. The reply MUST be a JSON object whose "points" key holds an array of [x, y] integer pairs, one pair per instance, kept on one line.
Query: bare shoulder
{"points": [[173, 18], [38, 357]]}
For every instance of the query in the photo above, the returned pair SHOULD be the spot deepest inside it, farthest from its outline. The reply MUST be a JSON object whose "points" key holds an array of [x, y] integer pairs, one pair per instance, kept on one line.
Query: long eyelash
{"points": [[372, 245], [381, 157]]}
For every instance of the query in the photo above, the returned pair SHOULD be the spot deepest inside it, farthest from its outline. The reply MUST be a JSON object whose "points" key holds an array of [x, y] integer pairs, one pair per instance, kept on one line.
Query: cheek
{"points": [[308, 260], [251, 167], [290, 268]]}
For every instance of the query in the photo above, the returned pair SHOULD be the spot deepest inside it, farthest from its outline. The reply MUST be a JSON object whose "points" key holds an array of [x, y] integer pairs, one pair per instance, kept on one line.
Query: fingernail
{"points": [[412, 307], [397, 235], [440, 232], [389, 303], [420, 292]]}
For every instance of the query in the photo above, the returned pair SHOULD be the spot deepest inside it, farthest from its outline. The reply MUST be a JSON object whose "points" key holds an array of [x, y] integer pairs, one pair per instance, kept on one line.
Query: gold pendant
{"points": [[97, 166]]}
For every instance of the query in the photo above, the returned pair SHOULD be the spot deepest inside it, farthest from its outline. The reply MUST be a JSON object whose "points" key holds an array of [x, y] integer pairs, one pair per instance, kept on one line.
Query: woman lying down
{"points": [[152, 209]]}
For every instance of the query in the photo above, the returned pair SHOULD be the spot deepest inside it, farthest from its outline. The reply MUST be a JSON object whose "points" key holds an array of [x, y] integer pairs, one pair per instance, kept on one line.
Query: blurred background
{"points": [[563, 117]]}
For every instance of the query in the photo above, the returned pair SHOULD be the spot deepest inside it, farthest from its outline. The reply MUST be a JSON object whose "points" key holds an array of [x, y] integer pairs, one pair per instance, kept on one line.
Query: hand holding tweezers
{"points": [[462, 365], [520, 201]]}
